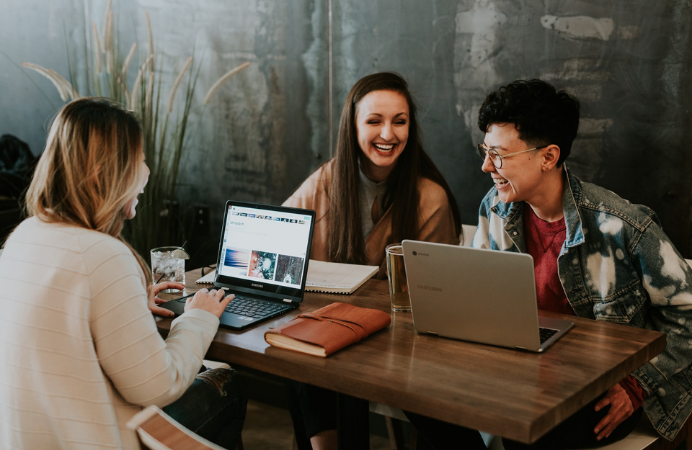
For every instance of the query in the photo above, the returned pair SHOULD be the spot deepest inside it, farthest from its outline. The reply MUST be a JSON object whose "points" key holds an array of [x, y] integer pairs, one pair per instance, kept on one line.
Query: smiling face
{"points": [[521, 176], [129, 209], [382, 124]]}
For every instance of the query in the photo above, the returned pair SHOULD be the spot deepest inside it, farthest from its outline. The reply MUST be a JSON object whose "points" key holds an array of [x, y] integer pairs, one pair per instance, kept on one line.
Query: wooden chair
{"points": [[158, 431], [644, 437], [394, 429], [468, 232], [393, 418]]}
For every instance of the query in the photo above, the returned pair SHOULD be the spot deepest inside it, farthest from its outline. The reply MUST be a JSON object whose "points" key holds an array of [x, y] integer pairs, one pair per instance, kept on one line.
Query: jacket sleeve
{"points": [[481, 239], [667, 279], [144, 369]]}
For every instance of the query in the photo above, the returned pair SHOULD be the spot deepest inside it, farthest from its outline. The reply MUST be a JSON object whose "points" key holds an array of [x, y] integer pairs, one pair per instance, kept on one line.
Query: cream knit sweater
{"points": [[79, 349]]}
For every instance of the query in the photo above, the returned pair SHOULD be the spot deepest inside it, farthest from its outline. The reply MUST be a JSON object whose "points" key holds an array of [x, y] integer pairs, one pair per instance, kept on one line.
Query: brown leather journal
{"points": [[327, 330]]}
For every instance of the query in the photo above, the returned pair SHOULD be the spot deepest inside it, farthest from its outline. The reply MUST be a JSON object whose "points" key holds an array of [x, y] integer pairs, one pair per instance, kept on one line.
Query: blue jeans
{"points": [[213, 407]]}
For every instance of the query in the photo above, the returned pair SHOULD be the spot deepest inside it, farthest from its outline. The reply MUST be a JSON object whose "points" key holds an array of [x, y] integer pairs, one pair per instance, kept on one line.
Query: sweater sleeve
{"points": [[307, 194], [436, 217], [300, 198], [144, 369]]}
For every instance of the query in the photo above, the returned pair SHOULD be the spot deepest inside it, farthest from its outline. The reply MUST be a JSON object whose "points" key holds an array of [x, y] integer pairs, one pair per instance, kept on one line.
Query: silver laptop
{"points": [[484, 296]]}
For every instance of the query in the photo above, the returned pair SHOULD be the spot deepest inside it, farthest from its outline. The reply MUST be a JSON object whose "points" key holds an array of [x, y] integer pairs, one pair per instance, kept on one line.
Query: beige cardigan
{"points": [[79, 350], [435, 218]]}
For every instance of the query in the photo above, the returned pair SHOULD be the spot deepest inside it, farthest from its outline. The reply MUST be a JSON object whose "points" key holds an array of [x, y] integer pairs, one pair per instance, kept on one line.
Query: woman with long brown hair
{"points": [[380, 188], [80, 353]]}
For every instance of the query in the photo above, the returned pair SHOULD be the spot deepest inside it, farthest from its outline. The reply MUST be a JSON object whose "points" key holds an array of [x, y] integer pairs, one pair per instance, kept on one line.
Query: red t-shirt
{"points": [[543, 242]]}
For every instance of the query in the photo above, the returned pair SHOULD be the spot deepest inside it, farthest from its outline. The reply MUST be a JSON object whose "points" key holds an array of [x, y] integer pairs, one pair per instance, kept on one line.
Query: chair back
{"points": [[467, 235], [158, 431]]}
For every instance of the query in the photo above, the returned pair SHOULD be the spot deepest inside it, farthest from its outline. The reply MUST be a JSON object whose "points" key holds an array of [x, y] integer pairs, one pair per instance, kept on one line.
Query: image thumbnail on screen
{"points": [[262, 265], [236, 258], [289, 269]]}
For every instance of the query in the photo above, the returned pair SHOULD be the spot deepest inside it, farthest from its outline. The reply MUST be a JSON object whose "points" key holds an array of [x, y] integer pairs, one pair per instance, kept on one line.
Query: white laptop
{"points": [[484, 296]]}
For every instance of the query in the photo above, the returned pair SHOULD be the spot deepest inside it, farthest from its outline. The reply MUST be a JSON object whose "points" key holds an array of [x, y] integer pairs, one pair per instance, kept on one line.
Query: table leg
{"points": [[352, 423]]}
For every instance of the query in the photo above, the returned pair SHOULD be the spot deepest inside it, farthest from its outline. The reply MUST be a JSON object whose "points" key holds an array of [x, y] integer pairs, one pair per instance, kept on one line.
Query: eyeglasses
{"points": [[497, 158]]}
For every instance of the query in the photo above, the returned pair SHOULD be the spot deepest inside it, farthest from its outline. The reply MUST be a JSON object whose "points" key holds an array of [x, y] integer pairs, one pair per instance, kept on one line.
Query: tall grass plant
{"points": [[164, 119]]}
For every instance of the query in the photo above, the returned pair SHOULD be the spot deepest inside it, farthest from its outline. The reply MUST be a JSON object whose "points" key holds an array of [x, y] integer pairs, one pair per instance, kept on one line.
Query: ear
{"points": [[551, 154]]}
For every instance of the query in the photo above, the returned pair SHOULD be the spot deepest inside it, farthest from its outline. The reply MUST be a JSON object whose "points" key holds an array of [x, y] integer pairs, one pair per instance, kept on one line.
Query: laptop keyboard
{"points": [[546, 333], [249, 307]]}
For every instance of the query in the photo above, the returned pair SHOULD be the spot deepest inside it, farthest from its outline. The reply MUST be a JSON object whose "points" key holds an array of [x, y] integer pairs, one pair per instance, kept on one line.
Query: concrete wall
{"points": [[34, 31], [628, 61]]}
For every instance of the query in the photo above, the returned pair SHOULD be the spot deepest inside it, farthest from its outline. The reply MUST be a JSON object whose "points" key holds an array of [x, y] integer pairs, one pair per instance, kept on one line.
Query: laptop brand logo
{"points": [[429, 288], [257, 285]]}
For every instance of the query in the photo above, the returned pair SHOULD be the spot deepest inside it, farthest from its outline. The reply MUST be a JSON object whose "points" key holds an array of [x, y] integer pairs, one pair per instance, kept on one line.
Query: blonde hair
{"points": [[90, 169]]}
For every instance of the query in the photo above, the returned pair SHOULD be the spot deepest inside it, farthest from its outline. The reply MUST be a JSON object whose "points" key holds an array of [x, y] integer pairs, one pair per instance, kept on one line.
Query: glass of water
{"points": [[168, 264], [396, 273]]}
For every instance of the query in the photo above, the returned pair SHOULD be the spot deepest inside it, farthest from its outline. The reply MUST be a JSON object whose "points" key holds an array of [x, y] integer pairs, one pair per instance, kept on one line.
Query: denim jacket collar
{"points": [[511, 214], [570, 199]]}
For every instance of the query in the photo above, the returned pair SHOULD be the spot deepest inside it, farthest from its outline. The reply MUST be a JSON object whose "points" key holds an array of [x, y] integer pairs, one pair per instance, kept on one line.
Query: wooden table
{"points": [[510, 393]]}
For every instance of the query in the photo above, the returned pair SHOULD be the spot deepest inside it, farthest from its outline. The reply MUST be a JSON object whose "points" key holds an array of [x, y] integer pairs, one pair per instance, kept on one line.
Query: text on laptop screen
{"points": [[264, 244]]}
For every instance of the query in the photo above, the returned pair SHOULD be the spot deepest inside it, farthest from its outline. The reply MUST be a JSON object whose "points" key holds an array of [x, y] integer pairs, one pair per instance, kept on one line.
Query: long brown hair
{"points": [[90, 169], [346, 242]]}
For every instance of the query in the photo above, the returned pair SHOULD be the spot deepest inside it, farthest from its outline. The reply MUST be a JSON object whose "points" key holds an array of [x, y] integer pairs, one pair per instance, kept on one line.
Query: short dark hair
{"points": [[541, 114]]}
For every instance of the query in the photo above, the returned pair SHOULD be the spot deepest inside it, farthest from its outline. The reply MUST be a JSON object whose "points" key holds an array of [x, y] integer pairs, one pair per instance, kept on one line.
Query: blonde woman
{"points": [[79, 350]]}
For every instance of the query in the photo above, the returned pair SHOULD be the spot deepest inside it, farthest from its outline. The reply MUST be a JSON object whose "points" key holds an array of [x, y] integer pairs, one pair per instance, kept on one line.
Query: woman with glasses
{"points": [[80, 353], [381, 187], [595, 254]]}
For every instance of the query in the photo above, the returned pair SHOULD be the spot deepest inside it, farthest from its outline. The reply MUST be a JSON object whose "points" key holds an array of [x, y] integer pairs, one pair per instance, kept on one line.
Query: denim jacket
{"points": [[617, 265]]}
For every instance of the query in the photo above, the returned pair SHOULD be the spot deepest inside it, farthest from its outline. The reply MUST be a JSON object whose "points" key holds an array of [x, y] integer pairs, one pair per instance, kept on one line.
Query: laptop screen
{"points": [[265, 247]]}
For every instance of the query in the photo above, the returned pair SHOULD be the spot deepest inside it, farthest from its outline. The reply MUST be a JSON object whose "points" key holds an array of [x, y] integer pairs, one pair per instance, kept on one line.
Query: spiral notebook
{"points": [[208, 278], [337, 278], [329, 277]]}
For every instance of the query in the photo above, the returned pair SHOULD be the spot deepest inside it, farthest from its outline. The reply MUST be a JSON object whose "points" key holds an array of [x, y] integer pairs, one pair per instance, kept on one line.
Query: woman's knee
{"points": [[224, 381]]}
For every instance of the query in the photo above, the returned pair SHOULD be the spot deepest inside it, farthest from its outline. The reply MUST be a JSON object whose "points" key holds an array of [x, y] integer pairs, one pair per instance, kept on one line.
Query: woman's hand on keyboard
{"points": [[153, 301], [212, 301]]}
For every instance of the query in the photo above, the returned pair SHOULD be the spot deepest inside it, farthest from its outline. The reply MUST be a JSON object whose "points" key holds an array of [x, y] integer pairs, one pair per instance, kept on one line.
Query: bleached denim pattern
{"points": [[617, 265]]}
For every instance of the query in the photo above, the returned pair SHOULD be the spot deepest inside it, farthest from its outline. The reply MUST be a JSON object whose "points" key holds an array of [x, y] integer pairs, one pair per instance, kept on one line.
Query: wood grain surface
{"points": [[510, 393]]}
